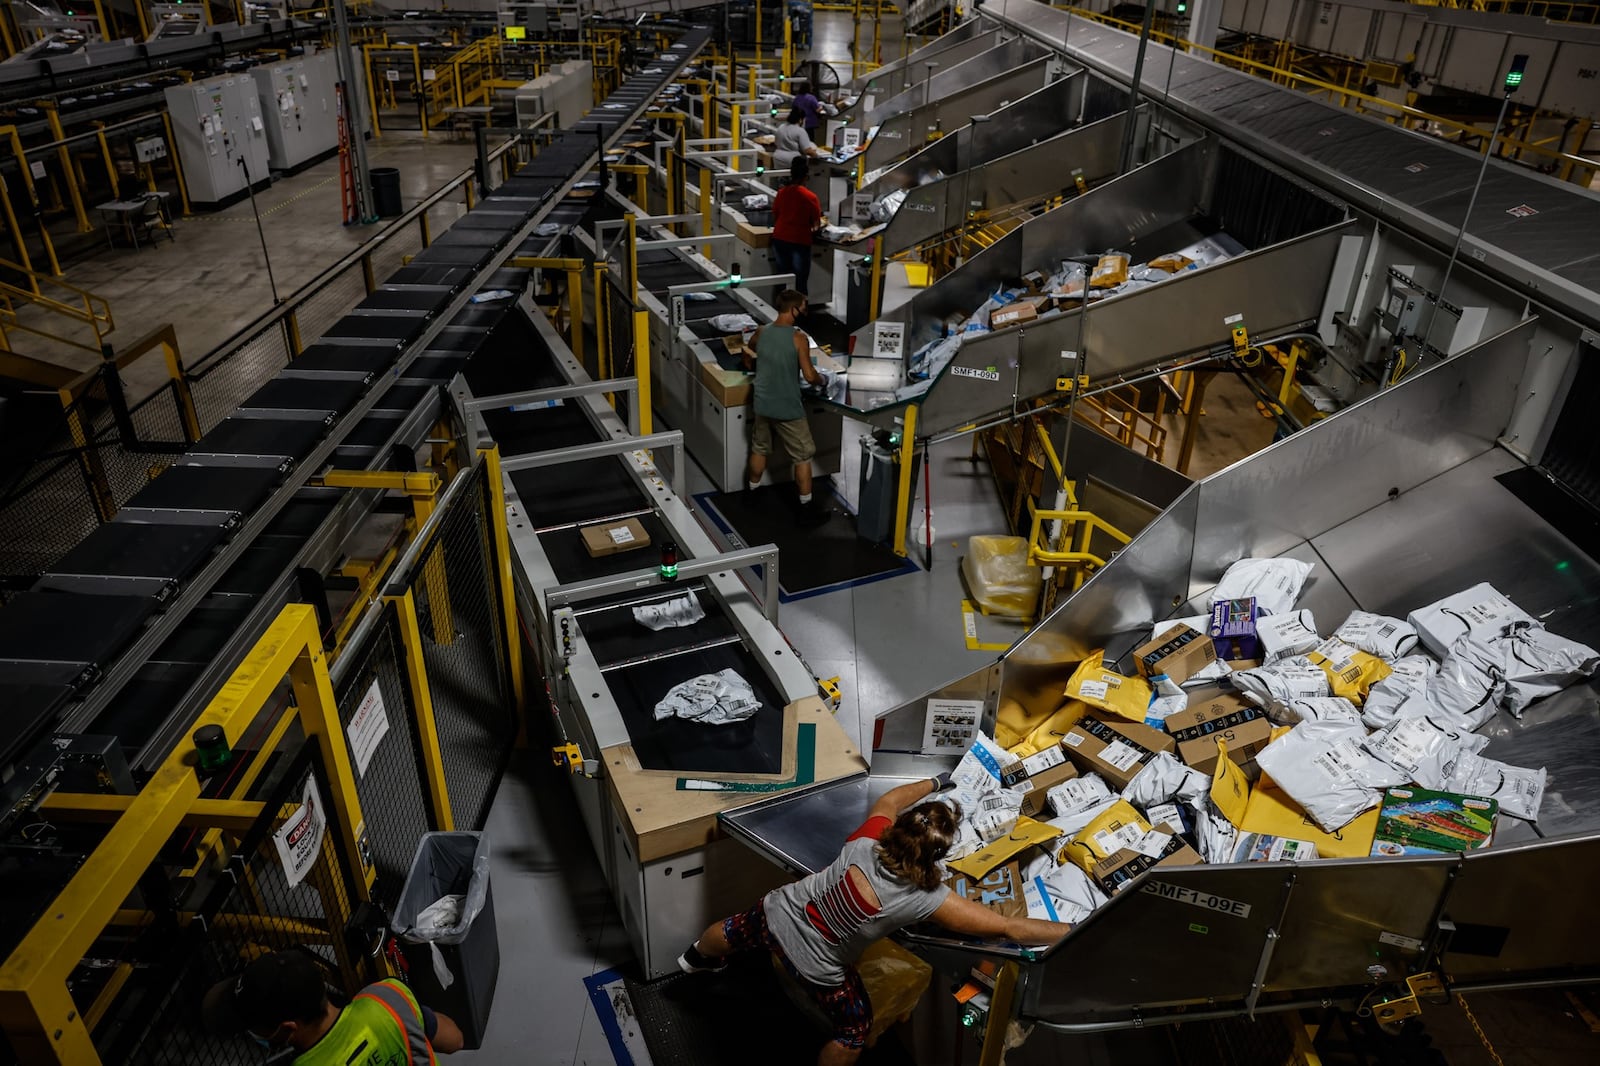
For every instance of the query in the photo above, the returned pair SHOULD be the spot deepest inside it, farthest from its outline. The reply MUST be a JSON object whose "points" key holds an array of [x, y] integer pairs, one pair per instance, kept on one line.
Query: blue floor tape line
{"points": [[600, 996]]}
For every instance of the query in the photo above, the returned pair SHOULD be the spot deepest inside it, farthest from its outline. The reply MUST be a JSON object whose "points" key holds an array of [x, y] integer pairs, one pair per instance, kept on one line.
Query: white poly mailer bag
{"points": [[1407, 678], [1519, 791], [1077, 795], [1387, 638], [1323, 768], [1461, 688], [1214, 835], [675, 613], [732, 323], [1274, 584], [1316, 709], [1532, 661], [1283, 635], [1274, 687], [710, 699], [1481, 612], [982, 766], [1425, 750], [1163, 779], [1068, 894], [987, 814]]}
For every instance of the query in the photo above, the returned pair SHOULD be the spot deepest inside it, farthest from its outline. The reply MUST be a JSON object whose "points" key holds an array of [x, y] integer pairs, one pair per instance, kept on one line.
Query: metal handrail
{"points": [[94, 311]]}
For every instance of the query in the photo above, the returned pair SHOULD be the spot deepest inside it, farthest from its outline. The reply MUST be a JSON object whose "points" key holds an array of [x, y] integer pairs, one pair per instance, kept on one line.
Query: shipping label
{"points": [[1122, 755]]}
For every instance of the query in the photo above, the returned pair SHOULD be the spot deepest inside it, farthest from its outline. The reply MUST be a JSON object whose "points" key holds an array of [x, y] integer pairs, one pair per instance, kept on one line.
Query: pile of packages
{"points": [[1245, 735], [1113, 274]]}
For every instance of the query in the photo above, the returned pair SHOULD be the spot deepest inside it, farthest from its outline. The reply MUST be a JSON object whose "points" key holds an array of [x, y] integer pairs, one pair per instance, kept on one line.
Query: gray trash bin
{"points": [[879, 487], [386, 192], [452, 864]]}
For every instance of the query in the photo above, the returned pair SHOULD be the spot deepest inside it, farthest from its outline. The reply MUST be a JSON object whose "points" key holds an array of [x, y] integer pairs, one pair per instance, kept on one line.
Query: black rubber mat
{"points": [[753, 746], [304, 394], [427, 301], [541, 429], [615, 635], [30, 706], [140, 550], [346, 358], [738, 1016], [809, 560]]}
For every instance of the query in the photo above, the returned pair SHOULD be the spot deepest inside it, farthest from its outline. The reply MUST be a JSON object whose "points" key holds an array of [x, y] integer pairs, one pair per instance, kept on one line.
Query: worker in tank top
{"points": [[782, 357], [281, 1001]]}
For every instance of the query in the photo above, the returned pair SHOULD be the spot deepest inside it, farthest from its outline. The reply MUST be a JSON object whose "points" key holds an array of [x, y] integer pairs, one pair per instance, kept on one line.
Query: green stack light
{"points": [[1519, 65]]}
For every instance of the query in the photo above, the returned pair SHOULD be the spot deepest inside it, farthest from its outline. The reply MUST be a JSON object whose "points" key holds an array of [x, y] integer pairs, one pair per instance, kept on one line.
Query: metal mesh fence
{"points": [[391, 786], [463, 649], [323, 308], [248, 910], [51, 512], [221, 384], [619, 339]]}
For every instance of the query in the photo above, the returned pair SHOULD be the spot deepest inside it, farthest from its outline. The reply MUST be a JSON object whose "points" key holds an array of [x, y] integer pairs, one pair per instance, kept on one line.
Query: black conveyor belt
{"points": [[207, 488], [288, 438], [587, 490], [754, 746], [615, 635], [68, 627], [570, 561], [143, 551]]}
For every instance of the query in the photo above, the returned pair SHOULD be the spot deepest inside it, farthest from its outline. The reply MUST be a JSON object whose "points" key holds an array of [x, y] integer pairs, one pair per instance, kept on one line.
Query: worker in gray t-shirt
{"points": [[890, 874]]}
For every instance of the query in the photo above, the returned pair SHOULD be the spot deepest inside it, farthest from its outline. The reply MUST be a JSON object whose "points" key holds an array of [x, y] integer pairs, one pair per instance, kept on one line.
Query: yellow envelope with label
{"points": [[1125, 697], [1026, 834], [1053, 729], [1351, 672], [1118, 827]]}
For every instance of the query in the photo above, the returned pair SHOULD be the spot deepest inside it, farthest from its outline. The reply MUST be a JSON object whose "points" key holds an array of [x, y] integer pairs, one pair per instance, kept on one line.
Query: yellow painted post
{"points": [[105, 504], [422, 703], [180, 389], [33, 196], [501, 536], [641, 366], [736, 131], [630, 220], [908, 455], [111, 168], [705, 209], [877, 277], [602, 323], [372, 98], [575, 310], [64, 157]]}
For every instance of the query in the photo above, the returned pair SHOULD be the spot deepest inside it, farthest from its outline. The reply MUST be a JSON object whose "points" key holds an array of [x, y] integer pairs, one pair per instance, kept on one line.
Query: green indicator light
{"points": [[1519, 65], [1563, 564], [669, 562]]}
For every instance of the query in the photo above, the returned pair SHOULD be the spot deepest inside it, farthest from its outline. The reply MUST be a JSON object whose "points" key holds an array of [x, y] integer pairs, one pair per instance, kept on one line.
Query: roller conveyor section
{"points": [[1271, 265], [280, 430]]}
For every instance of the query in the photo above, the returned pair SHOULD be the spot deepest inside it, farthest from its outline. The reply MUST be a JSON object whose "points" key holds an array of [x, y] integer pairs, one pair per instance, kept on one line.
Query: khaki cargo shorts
{"points": [[795, 435]]}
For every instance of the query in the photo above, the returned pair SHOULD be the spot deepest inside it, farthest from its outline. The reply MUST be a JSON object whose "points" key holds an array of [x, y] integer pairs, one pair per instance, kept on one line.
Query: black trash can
{"points": [[386, 192], [452, 864]]}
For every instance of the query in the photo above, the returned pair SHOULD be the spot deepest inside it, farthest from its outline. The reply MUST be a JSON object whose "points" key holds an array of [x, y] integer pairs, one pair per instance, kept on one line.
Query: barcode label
{"points": [[1122, 755]]}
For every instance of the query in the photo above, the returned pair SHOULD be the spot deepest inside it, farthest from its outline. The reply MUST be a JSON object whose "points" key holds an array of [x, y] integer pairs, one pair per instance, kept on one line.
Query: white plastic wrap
{"points": [[756, 202], [884, 207], [982, 764], [710, 699], [931, 359], [1520, 791], [1323, 767], [1407, 678], [987, 814], [1287, 634], [1000, 577], [1163, 779], [1274, 687], [1425, 750], [732, 323], [1387, 638], [1275, 584], [1316, 709], [1168, 699], [1532, 661]]}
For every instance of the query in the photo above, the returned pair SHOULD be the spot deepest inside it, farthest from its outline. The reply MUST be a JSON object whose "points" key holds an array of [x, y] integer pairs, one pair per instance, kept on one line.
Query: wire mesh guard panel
{"points": [[258, 912], [463, 649], [220, 385], [391, 786], [619, 340]]}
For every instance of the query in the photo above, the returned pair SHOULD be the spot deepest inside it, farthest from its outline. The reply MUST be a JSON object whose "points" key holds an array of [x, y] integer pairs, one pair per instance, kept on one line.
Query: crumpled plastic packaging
{"points": [[1286, 634], [675, 613], [1426, 750], [987, 814], [931, 359], [756, 202], [1274, 687], [835, 384], [1274, 584], [1073, 895], [721, 698], [1316, 709], [1168, 700], [1407, 677], [1375, 634], [1214, 835], [1531, 661], [700, 297], [448, 919], [1323, 767], [1164, 779], [885, 206], [547, 229], [490, 296], [732, 323], [1519, 790]]}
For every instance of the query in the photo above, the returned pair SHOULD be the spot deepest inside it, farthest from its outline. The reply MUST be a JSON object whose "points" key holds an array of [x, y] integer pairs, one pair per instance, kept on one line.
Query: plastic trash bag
{"points": [[1387, 638], [1274, 584], [449, 918], [998, 573], [710, 699], [675, 613]]}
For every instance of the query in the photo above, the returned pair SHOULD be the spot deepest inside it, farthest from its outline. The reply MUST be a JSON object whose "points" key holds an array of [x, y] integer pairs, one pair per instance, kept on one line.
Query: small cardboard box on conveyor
{"points": [[609, 538]]}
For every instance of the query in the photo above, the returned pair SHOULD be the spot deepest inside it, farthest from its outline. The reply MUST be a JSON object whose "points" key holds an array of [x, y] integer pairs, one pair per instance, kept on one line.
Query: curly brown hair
{"points": [[912, 848]]}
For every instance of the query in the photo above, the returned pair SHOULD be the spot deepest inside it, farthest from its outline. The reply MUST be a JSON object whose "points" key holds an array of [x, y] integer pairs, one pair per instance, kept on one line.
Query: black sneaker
{"points": [[813, 514], [692, 961]]}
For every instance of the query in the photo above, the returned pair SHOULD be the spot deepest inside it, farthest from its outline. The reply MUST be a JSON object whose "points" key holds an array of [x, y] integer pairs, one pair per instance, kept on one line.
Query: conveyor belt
{"points": [[570, 561], [78, 634], [147, 694], [615, 636], [754, 746]]}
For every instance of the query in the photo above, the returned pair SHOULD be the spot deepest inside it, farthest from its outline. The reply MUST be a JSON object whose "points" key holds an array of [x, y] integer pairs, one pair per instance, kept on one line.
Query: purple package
{"points": [[1233, 629]]}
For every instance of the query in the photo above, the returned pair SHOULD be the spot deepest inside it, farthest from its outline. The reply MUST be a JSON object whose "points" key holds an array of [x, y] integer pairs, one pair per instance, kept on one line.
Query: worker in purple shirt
{"points": [[806, 101]]}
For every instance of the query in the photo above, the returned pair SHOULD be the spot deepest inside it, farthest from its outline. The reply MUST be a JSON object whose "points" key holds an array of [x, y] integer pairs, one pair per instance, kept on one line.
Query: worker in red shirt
{"points": [[796, 220]]}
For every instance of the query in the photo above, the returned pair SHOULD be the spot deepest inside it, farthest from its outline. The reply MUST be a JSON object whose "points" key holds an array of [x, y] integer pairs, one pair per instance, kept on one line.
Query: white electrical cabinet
{"points": [[221, 137], [567, 89], [300, 106]]}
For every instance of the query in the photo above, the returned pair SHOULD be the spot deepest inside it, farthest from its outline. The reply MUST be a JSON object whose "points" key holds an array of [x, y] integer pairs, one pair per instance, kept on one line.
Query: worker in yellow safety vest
{"points": [[281, 1001]]}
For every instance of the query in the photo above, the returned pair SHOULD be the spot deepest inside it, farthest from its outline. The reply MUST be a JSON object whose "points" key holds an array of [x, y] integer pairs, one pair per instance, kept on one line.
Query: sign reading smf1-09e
{"points": [[1234, 907]]}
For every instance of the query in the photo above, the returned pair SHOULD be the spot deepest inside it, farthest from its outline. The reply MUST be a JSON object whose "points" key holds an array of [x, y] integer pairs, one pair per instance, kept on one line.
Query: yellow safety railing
{"points": [[1563, 165], [56, 302], [1121, 418], [1068, 545], [1563, 11]]}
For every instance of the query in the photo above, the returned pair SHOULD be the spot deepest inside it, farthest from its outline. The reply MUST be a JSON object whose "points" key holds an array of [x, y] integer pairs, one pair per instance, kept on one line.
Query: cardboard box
{"points": [[1036, 774], [1117, 872], [755, 236], [1035, 281], [1180, 653], [1233, 628], [1420, 821], [731, 388], [609, 538], [1212, 713], [1115, 749], [1000, 891], [1013, 314]]}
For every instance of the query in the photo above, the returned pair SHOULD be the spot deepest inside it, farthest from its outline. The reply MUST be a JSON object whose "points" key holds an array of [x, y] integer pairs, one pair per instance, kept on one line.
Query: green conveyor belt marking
{"points": [[805, 751]]}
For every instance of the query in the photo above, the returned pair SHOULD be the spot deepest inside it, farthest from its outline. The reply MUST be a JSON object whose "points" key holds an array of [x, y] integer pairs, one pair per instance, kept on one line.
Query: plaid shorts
{"points": [[845, 1006]]}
